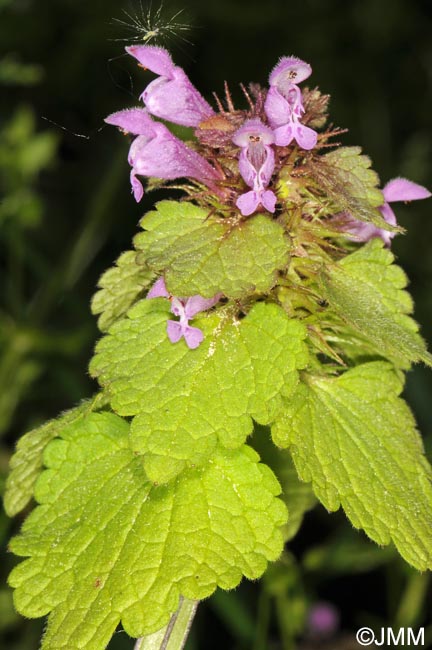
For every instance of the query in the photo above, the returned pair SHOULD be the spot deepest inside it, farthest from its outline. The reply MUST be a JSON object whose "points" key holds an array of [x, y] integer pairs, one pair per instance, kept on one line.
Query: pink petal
{"points": [[176, 100], [158, 290], [295, 100], [267, 169], [289, 70], [172, 96], [363, 232], [177, 306], [156, 59], [390, 217], [167, 157], [137, 188], [132, 120], [193, 336], [195, 304], [306, 138], [252, 128], [276, 108], [174, 331], [268, 199], [246, 169], [401, 189], [284, 135], [247, 203], [257, 179], [388, 214]]}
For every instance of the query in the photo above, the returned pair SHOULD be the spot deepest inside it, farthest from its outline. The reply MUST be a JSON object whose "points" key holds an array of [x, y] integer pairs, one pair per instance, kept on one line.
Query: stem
{"points": [[284, 623], [263, 619], [410, 606], [174, 635]]}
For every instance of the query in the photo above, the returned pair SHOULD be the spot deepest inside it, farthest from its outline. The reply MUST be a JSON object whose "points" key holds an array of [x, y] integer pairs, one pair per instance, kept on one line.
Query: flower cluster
{"points": [[172, 97], [245, 160], [261, 134]]}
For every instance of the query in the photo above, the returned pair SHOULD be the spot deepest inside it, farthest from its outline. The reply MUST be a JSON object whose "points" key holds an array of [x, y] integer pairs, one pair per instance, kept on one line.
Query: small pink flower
{"points": [[323, 620], [185, 309], [157, 152], [284, 106], [256, 165], [171, 96], [398, 189]]}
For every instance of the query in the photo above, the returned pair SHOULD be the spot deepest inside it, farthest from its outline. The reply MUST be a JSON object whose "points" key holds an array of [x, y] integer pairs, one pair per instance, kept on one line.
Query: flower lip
{"points": [[289, 70], [248, 202], [305, 137], [253, 131]]}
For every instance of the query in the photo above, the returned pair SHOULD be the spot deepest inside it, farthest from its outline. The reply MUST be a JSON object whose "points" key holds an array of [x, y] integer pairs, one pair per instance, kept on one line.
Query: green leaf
{"points": [[120, 287], [200, 253], [298, 496], [356, 441], [184, 400], [105, 544], [26, 463], [367, 291], [345, 176], [355, 168]]}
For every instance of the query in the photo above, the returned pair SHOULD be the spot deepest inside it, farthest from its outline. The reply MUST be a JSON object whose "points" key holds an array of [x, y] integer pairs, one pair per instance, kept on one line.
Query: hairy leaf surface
{"points": [[107, 545], [356, 441], [345, 176], [26, 463], [202, 254], [366, 289], [120, 287], [185, 400]]}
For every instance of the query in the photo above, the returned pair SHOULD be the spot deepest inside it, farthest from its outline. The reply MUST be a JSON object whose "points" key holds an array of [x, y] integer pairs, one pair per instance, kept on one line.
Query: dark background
{"points": [[66, 212]]}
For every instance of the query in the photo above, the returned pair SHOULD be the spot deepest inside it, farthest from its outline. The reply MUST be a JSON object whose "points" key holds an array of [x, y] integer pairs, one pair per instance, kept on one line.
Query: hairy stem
{"points": [[174, 635]]}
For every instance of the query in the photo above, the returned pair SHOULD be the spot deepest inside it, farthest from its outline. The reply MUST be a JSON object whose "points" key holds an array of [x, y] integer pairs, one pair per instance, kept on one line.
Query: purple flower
{"points": [[172, 96], [323, 620], [256, 165], [398, 189], [185, 309], [284, 105], [157, 152]]}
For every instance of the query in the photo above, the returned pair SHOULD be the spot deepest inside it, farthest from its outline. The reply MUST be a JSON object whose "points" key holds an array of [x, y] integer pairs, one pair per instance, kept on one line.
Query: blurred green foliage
{"points": [[23, 155], [66, 213]]}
